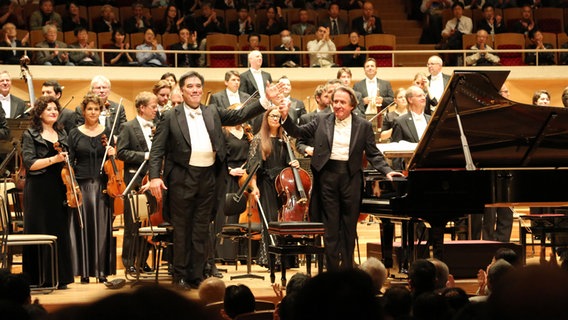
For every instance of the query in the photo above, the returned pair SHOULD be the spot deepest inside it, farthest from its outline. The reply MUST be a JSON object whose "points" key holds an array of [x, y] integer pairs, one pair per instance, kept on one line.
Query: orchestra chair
{"points": [[510, 41], [259, 17], [236, 232], [263, 305], [137, 39], [381, 42], [222, 42], [169, 39], [42, 241], [157, 13], [294, 238], [256, 315], [158, 237], [549, 19]]}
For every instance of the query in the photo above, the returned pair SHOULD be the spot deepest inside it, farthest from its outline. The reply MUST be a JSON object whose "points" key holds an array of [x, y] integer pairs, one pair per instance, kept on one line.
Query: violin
{"points": [[291, 184], [114, 170], [73, 194], [251, 209]]}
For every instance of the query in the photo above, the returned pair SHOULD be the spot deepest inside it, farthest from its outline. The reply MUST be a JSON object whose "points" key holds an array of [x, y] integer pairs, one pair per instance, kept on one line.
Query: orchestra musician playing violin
{"points": [[269, 149], [44, 192], [231, 95], [190, 142], [100, 85], [91, 244], [340, 139], [134, 144]]}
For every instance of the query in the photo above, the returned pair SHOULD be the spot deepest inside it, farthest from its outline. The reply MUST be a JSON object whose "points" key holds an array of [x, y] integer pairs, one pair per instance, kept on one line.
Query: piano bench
{"points": [[293, 238]]}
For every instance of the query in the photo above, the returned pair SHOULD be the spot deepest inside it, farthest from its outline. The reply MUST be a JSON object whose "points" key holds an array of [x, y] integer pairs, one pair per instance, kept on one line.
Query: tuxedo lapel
{"points": [[354, 133], [139, 133], [251, 80], [225, 100], [412, 128], [329, 128], [182, 122]]}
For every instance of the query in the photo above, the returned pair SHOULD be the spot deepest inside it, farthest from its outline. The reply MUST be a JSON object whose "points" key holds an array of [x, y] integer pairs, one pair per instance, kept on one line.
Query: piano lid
{"points": [[501, 133]]}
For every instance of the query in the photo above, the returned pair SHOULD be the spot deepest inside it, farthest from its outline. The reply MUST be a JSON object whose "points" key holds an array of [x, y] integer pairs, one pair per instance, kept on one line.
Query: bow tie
{"points": [[435, 77], [4, 98], [255, 71], [148, 125], [193, 113]]}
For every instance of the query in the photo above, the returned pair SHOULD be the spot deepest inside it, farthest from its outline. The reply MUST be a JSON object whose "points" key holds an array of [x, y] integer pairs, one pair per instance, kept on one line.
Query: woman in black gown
{"points": [[92, 243], [269, 149], [44, 193]]}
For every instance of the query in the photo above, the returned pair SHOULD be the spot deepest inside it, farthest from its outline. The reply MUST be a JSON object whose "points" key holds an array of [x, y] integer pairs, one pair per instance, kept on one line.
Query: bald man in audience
{"points": [[211, 290]]}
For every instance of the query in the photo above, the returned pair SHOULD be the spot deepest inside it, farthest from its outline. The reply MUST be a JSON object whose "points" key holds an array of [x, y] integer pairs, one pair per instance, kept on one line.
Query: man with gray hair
{"points": [[254, 79], [376, 269], [100, 85], [51, 57], [437, 81]]}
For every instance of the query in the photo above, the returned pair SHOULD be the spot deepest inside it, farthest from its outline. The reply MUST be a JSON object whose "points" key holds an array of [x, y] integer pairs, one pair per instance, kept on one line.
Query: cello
{"points": [[294, 185], [251, 211], [114, 169]]}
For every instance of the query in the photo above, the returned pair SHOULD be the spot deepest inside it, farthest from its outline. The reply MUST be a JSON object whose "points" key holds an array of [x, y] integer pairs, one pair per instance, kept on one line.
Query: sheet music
{"points": [[402, 146]]}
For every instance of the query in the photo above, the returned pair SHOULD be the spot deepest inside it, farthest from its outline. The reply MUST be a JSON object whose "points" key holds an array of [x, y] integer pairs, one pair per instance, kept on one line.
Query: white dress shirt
{"points": [[202, 154], [420, 123], [147, 132], [6, 104], [436, 88], [257, 74], [233, 97], [341, 139]]}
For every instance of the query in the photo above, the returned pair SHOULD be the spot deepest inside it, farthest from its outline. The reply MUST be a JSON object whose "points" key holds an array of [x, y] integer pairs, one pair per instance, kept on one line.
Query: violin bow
{"points": [[384, 110], [111, 135], [129, 186], [68, 102]]}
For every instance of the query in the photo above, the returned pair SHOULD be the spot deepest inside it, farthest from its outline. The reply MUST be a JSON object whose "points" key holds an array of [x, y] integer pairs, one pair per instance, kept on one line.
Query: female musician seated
{"points": [[44, 192], [269, 149], [91, 244]]}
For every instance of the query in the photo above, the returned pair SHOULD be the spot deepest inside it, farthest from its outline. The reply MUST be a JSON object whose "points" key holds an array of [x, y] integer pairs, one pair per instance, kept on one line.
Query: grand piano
{"points": [[479, 150]]}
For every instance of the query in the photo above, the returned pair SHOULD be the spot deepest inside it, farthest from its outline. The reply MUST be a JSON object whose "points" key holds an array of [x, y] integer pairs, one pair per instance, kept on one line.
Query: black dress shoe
{"points": [[102, 279], [181, 285], [84, 280], [131, 270], [62, 287], [147, 268]]}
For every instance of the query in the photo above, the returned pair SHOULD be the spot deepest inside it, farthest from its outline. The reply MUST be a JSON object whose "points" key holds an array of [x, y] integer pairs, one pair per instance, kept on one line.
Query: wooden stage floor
{"points": [[262, 289]]}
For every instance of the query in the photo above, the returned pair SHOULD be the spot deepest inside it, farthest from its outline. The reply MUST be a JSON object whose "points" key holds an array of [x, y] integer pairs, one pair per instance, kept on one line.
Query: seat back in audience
{"points": [[381, 42], [222, 42], [510, 41]]}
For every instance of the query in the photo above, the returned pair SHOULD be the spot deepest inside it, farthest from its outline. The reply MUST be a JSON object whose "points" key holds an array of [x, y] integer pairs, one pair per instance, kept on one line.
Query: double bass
{"points": [[294, 186]]}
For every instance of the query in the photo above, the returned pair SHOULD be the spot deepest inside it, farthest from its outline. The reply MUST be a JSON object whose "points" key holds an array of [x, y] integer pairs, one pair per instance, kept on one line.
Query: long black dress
{"points": [[45, 211], [237, 154], [265, 177], [91, 245]]}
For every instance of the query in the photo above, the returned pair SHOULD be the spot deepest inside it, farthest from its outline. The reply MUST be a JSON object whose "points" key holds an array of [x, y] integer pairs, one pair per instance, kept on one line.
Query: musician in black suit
{"points": [[13, 106], [340, 140], [254, 79], [67, 117], [100, 85], [231, 94], [306, 146], [187, 42], [297, 107], [437, 80], [373, 87], [191, 146], [368, 23], [134, 144]]}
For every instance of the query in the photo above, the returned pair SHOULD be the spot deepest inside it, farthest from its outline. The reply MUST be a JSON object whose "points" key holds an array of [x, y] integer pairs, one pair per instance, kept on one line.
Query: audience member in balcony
{"points": [[303, 26], [367, 23], [120, 57], [11, 12], [73, 19], [482, 56], [541, 98], [208, 22], [432, 10], [151, 59], [545, 55], [354, 59], [377, 93], [139, 21], [319, 49], [453, 33], [502, 4], [350, 4], [526, 23], [45, 15], [226, 4], [274, 23], [243, 24], [86, 57], [11, 41], [172, 21], [187, 42], [491, 22], [335, 24], [48, 57], [107, 21], [287, 45], [253, 43]]}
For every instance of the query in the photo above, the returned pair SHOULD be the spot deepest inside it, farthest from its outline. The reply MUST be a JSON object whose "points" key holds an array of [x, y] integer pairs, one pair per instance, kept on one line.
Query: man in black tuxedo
{"points": [[100, 85], [231, 94], [134, 144], [335, 24], [67, 117], [340, 139], [437, 81], [13, 106], [297, 107], [375, 91], [190, 145], [306, 146], [254, 79], [368, 23], [187, 42]]}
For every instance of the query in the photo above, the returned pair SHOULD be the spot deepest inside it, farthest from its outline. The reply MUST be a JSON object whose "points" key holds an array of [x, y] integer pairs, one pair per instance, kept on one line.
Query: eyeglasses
{"points": [[274, 116]]}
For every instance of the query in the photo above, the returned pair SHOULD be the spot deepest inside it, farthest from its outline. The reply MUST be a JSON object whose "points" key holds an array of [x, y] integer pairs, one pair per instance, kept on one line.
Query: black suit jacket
{"points": [[99, 25], [385, 90], [281, 58], [185, 59], [342, 25], [8, 56], [405, 129], [357, 25], [221, 99], [234, 28], [248, 84], [321, 131], [110, 120], [131, 149], [173, 143], [17, 107], [68, 119], [483, 24], [432, 102], [302, 143]]}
